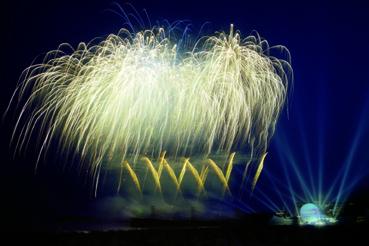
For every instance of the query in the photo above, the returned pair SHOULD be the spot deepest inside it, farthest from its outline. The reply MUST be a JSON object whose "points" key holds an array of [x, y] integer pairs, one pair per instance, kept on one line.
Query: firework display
{"points": [[134, 99]]}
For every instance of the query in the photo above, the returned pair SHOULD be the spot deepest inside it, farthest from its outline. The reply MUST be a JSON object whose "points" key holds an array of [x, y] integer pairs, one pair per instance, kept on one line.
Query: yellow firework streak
{"points": [[132, 174], [258, 171], [154, 173]]}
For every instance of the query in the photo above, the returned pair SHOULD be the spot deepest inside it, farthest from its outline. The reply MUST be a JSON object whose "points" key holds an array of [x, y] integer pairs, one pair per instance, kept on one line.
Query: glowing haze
{"points": [[135, 94]]}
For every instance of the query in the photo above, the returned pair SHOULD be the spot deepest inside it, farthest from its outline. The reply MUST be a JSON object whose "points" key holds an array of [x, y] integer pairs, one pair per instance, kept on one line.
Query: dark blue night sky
{"points": [[327, 116]]}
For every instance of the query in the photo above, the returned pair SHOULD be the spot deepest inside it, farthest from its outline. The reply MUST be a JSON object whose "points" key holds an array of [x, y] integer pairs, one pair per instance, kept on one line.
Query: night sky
{"points": [[328, 104]]}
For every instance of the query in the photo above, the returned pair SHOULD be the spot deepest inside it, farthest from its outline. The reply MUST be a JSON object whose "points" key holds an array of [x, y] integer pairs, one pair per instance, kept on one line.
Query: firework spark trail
{"points": [[134, 94]]}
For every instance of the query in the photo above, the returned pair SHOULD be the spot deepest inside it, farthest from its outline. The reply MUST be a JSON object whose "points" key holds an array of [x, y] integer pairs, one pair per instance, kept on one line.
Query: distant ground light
{"points": [[310, 214]]}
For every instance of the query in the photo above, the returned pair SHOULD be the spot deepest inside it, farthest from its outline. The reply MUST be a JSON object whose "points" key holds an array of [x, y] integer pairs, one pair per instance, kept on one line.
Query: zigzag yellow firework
{"points": [[185, 167]]}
